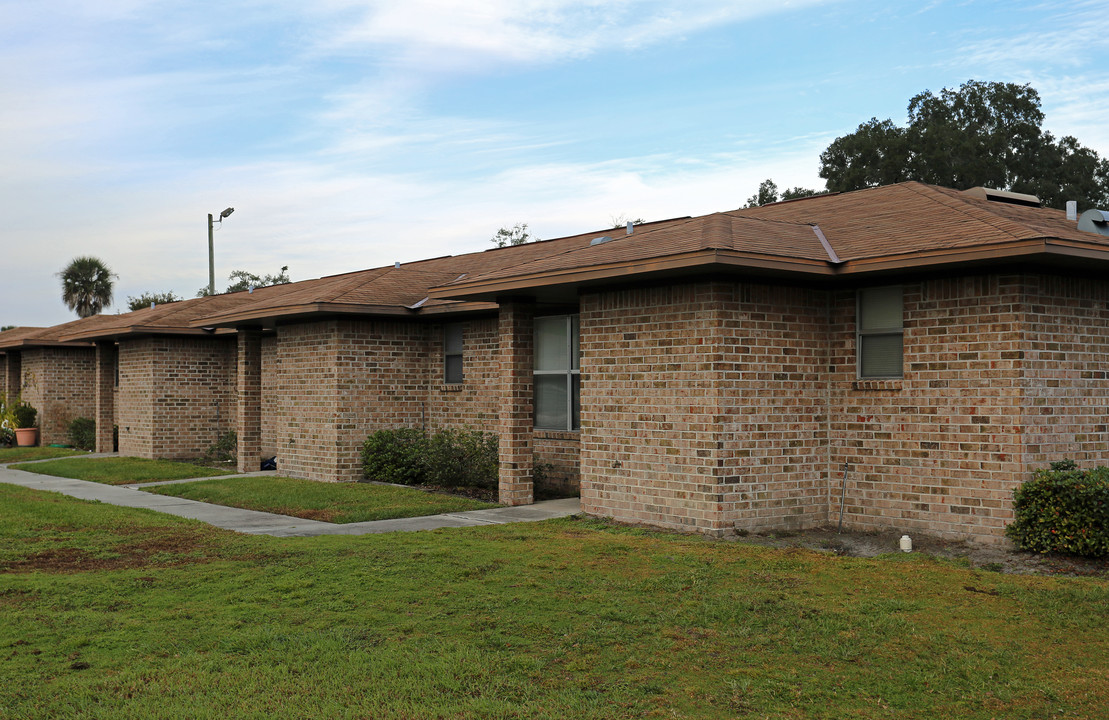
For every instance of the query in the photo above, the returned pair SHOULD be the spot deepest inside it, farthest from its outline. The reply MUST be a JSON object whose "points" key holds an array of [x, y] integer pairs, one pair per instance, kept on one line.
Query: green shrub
{"points": [[462, 458], [25, 415], [82, 434], [1063, 509], [395, 456], [451, 458], [224, 449]]}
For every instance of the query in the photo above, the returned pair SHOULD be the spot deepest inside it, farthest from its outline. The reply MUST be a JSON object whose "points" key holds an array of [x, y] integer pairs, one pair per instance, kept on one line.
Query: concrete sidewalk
{"points": [[263, 523]]}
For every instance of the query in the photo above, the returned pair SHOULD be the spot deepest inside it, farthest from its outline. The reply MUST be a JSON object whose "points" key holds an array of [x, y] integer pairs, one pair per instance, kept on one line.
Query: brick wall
{"points": [[1066, 362], [717, 406], [337, 382], [327, 385], [472, 403], [59, 383], [270, 368], [1003, 373], [773, 400], [177, 395], [12, 373], [703, 406], [650, 416], [561, 452]]}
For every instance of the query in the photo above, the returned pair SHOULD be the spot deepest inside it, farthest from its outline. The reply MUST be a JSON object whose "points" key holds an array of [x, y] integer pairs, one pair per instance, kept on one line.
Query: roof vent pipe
{"points": [[1072, 210], [631, 227], [1095, 221], [1003, 196], [396, 265]]}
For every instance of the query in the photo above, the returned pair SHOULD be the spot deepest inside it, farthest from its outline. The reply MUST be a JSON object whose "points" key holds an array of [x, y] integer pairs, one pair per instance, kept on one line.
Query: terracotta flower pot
{"points": [[26, 437]]}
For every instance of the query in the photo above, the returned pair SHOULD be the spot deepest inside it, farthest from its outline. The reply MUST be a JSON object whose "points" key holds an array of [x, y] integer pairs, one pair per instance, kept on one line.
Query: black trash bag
{"points": [[269, 463]]}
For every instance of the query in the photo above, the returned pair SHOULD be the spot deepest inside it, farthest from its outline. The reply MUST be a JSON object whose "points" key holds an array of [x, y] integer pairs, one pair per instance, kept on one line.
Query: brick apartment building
{"points": [[711, 374]]}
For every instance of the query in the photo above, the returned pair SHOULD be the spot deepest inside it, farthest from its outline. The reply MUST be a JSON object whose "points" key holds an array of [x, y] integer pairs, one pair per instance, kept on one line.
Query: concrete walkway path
{"points": [[263, 523]]}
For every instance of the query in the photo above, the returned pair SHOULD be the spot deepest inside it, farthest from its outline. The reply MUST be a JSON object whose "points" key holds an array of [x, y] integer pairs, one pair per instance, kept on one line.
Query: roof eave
{"points": [[33, 343], [137, 331], [296, 312], [615, 272]]}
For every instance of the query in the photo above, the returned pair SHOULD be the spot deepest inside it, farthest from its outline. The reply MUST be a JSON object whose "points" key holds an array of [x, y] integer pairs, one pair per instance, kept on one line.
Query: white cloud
{"points": [[447, 35]]}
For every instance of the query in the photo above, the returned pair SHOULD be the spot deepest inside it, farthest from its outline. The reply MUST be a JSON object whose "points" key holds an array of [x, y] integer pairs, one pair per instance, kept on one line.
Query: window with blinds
{"points": [[557, 375], [880, 339]]}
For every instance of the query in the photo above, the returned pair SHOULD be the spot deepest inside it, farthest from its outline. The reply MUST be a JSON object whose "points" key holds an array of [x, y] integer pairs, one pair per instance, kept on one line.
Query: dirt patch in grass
{"points": [[326, 515], [474, 493], [151, 550], [998, 558]]}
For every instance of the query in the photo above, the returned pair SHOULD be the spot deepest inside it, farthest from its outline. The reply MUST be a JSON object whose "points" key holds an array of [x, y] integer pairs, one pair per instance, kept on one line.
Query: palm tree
{"points": [[86, 286]]}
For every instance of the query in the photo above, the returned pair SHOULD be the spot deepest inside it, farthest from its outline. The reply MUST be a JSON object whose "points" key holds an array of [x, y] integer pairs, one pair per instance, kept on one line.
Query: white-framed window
{"points": [[557, 373], [880, 335], [452, 353]]}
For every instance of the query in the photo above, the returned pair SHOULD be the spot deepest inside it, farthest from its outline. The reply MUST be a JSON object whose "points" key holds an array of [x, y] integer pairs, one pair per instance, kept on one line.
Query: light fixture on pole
{"points": [[212, 252]]}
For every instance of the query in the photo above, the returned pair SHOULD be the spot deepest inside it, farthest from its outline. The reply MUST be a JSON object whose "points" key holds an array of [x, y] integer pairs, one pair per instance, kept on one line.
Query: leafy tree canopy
{"points": [[7, 327], [86, 286], [983, 133], [768, 193], [242, 280], [516, 235], [147, 299]]}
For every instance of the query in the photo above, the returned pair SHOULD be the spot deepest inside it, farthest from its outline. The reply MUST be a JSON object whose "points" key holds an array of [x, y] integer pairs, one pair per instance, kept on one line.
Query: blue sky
{"points": [[350, 134]]}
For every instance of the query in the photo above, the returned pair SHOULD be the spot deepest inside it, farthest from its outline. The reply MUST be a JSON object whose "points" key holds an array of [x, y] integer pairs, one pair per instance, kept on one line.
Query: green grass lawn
{"points": [[24, 454], [112, 612], [329, 502], [120, 470]]}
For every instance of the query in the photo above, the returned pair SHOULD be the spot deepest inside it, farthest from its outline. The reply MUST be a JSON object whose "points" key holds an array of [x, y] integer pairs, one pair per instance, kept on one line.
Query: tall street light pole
{"points": [[212, 250]]}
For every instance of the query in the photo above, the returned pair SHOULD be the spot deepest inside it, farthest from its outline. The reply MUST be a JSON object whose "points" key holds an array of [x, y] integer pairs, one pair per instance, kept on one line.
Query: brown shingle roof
{"points": [[912, 217], [24, 337], [168, 318], [393, 290], [880, 229]]}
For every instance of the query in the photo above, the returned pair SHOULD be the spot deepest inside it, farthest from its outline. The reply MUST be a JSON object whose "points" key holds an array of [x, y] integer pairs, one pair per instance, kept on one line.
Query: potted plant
{"points": [[26, 433]]}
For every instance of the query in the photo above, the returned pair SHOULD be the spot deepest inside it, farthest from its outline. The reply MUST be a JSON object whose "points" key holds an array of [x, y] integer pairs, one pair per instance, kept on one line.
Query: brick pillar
{"points": [[248, 423], [12, 374], [516, 344], [105, 381]]}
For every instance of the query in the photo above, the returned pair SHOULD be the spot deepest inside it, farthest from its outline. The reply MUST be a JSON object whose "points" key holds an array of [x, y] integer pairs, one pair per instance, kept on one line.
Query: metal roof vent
{"points": [[1095, 221], [1003, 196], [599, 241], [1072, 210]]}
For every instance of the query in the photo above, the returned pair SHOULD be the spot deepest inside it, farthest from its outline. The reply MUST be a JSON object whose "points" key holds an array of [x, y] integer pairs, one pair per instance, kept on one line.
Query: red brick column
{"points": [[105, 381], [516, 423], [248, 424]]}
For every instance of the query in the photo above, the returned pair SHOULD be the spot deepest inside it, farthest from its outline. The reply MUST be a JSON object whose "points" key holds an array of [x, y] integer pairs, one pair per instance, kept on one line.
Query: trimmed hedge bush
{"points": [[395, 456], [82, 434], [465, 458], [453, 458], [1063, 509]]}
